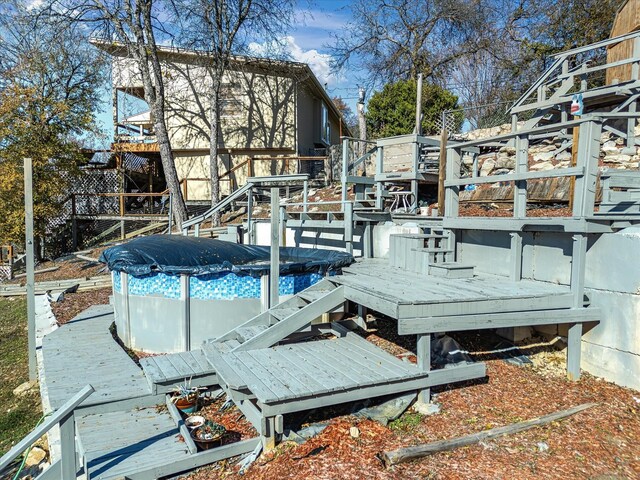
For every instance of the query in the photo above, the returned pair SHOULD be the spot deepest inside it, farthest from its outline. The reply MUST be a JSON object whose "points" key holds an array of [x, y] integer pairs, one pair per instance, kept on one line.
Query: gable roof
{"points": [[300, 70]]}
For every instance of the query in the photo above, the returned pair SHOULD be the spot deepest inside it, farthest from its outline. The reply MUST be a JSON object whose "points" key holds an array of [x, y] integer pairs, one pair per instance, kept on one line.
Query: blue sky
{"points": [[315, 23]]}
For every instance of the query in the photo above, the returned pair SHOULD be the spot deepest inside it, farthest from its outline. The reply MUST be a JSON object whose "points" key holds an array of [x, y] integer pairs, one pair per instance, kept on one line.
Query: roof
{"points": [[194, 57]]}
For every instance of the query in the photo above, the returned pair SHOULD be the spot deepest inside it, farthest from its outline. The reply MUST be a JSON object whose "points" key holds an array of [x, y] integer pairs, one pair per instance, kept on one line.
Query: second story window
{"points": [[325, 125]]}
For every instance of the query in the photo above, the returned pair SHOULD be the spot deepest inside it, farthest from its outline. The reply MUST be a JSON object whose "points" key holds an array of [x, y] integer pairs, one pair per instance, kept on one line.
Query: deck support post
{"points": [[367, 241], [423, 352], [274, 273], [249, 217], [578, 263], [516, 256], [348, 226], [68, 463], [268, 433], [379, 171], [123, 231]]}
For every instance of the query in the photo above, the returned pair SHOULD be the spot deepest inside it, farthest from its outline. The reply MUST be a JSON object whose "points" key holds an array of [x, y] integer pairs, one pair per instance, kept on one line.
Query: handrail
{"points": [[55, 418], [198, 219], [561, 57], [600, 44]]}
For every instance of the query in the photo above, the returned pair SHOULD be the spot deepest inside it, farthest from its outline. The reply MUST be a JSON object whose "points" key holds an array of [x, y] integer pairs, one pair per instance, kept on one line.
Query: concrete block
{"points": [[488, 251], [515, 334], [621, 368], [381, 234], [613, 262], [619, 327]]}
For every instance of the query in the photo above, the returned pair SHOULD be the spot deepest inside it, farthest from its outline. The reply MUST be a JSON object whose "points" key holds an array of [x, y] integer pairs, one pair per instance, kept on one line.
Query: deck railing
{"points": [[65, 467], [121, 204]]}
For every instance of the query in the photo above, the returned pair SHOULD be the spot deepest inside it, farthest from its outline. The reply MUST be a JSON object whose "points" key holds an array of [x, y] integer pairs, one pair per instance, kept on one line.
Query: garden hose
{"points": [[26, 453]]}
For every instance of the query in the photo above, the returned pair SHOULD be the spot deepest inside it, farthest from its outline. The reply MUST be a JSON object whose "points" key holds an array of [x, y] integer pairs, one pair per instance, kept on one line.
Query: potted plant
{"points": [[185, 397], [208, 435]]}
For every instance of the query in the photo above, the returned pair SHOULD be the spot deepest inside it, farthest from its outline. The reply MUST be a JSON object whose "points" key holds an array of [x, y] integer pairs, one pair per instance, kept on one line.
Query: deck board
{"points": [[84, 352], [334, 365], [403, 294], [121, 443]]}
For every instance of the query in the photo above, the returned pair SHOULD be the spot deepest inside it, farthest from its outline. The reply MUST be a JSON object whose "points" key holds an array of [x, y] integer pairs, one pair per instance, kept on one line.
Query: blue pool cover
{"points": [[178, 254]]}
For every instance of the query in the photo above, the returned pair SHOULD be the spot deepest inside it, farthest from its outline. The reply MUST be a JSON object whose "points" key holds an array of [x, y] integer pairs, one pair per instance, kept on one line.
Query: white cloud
{"points": [[320, 63], [33, 5]]}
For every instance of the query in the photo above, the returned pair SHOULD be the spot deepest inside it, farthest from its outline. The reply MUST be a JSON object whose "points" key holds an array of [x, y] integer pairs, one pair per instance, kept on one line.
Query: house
{"points": [[275, 117]]}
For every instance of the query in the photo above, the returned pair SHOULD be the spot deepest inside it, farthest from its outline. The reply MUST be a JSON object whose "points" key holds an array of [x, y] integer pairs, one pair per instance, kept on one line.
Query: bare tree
{"points": [[397, 39], [221, 29], [134, 25]]}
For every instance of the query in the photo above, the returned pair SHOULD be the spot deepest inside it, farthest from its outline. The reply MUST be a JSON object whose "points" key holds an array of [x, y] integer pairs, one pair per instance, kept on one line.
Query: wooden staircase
{"points": [[277, 323]]}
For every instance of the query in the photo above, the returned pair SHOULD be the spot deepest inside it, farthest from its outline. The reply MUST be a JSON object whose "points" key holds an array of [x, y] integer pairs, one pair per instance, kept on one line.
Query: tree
{"points": [[135, 24], [49, 93], [392, 110], [348, 116], [397, 39], [219, 30]]}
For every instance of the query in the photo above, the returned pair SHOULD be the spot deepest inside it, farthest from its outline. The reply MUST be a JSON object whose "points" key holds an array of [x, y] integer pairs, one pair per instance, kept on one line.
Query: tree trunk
{"points": [[168, 165], [213, 147]]}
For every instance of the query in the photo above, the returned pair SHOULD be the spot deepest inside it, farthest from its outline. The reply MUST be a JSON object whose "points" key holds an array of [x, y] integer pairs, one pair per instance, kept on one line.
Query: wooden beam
{"points": [[457, 323], [410, 453]]}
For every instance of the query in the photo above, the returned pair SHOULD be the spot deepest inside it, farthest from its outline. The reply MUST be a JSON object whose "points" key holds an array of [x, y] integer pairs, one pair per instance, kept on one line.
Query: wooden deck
{"points": [[401, 294], [271, 382], [84, 352], [165, 371]]}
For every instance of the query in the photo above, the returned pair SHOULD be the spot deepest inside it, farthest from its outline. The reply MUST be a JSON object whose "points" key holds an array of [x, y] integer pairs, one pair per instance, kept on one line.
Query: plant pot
{"points": [[208, 443], [186, 405]]}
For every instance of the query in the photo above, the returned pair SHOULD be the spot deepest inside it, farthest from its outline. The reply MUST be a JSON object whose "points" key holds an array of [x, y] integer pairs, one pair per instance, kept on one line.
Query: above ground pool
{"points": [[172, 292]]}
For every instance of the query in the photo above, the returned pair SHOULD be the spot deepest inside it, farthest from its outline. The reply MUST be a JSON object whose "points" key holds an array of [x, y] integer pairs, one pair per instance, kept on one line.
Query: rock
{"points": [[542, 447], [562, 156], [467, 159], [620, 141], [617, 158], [548, 148], [505, 161], [609, 146], [354, 432], [501, 171], [630, 165], [509, 150], [426, 408], [487, 167], [25, 389], [562, 165], [542, 166], [543, 156], [36, 456]]}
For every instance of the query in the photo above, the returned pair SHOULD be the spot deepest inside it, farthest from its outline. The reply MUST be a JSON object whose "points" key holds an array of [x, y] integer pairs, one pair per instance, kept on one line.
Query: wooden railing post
{"points": [[345, 169]]}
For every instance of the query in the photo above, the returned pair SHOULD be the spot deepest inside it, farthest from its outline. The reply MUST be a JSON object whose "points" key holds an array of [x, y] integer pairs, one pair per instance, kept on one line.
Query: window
{"points": [[325, 125]]}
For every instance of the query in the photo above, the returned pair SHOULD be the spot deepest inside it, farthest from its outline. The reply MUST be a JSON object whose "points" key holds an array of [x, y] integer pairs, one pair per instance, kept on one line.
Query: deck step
{"points": [[290, 316], [245, 333], [282, 313], [163, 372], [312, 295]]}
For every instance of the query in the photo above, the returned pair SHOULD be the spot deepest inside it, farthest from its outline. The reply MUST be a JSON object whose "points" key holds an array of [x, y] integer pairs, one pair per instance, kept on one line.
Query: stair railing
{"points": [[65, 468]]}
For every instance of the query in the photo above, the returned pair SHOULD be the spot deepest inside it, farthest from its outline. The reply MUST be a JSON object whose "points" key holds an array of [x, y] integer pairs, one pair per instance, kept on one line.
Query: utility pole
{"points": [[362, 124], [31, 300]]}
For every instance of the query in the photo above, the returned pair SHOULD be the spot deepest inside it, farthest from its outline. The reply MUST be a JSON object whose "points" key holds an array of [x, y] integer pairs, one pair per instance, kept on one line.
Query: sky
{"points": [[308, 42]]}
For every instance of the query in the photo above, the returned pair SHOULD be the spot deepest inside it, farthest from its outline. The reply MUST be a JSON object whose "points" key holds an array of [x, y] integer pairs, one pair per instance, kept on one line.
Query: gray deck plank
{"points": [[151, 370], [178, 362], [167, 367], [250, 378], [283, 371], [390, 362], [322, 356], [296, 369], [369, 360], [197, 367], [201, 359], [267, 377], [83, 351], [319, 380], [342, 361]]}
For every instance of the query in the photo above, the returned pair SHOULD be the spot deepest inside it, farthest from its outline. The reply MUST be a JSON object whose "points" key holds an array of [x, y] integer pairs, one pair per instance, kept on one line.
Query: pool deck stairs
{"points": [[265, 329]]}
